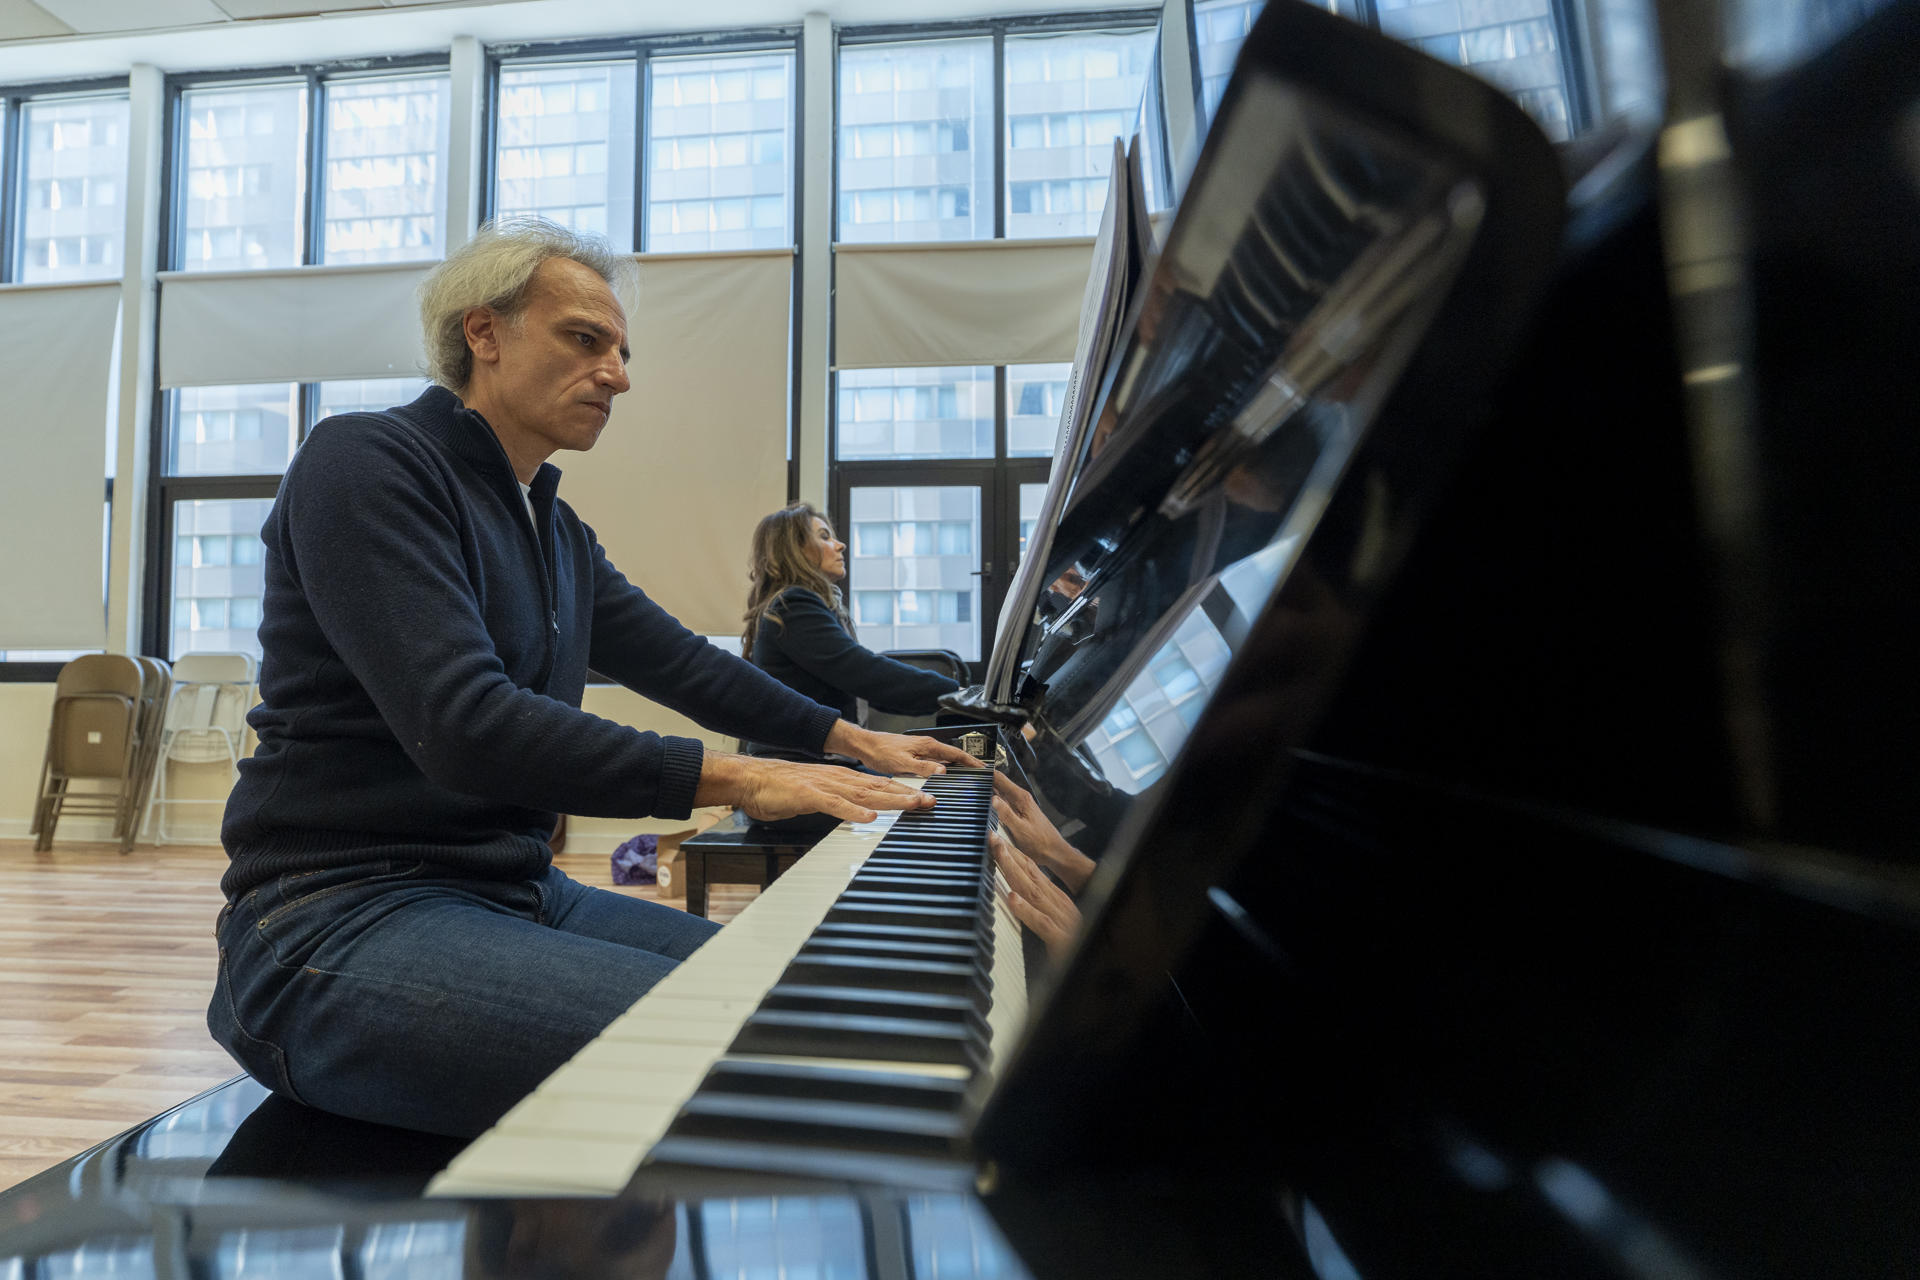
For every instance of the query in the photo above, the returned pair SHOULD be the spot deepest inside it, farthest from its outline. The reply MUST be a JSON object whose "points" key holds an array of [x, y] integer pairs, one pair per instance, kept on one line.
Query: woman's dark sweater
{"points": [[800, 643], [425, 653]]}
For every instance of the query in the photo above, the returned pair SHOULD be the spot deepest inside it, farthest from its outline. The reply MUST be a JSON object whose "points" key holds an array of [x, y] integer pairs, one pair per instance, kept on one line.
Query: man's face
{"points": [[562, 360]]}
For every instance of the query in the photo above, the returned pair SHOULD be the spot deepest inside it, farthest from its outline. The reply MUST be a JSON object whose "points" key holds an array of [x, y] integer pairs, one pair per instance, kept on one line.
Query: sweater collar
{"points": [[466, 434]]}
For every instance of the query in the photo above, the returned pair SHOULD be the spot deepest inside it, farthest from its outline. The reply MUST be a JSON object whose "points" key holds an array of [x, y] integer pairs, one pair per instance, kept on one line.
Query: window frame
{"points": [[314, 78], [999, 29], [13, 177], [642, 50], [168, 491], [999, 478]]}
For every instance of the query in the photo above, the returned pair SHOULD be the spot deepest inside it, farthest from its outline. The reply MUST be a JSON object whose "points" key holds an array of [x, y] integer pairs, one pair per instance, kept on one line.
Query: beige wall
{"points": [[26, 708]]}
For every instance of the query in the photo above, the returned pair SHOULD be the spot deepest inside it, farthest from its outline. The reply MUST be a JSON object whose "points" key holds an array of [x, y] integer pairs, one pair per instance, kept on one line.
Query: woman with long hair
{"points": [[799, 632]]}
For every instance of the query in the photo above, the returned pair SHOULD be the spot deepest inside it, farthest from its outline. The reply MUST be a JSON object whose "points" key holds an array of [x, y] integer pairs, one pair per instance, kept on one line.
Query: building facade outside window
{"points": [[916, 141], [1069, 96], [72, 215], [719, 152], [565, 148], [242, 199], [386, 180], [720, 148]]}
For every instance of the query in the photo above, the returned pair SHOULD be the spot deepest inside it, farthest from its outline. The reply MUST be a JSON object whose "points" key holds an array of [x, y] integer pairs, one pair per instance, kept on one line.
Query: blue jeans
{"points": [[409, 994]]}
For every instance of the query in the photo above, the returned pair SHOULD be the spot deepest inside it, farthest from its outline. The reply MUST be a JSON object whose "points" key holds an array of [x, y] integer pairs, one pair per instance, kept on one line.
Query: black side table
{"points": [[738, 850]]}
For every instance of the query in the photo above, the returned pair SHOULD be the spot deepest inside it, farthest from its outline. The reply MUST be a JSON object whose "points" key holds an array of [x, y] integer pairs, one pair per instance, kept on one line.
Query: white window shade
{"points": [[308, 324], [962, 303], [57, 371], [695, 454]]}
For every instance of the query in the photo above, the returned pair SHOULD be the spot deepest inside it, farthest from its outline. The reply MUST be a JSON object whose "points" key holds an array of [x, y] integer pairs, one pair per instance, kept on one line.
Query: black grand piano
{"points": [[1507, 555]]}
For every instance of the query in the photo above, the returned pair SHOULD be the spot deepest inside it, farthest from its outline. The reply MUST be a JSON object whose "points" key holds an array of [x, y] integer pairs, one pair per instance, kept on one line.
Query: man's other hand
{"points": [[768, 790], [1036, 901], [1029, 830], [895, 753]]}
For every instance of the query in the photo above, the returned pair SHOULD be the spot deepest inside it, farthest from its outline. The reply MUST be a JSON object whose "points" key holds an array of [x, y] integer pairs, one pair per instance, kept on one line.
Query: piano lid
{"points": [[1311, 251]]}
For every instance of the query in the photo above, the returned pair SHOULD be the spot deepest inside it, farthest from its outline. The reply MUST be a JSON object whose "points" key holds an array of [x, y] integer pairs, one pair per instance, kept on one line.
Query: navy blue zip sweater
{"points": [[424, 658]]}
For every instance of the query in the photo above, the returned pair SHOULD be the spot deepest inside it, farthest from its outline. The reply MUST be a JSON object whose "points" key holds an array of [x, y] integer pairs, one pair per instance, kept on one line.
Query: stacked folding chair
{"points": [[105, 711], [206, 723]]}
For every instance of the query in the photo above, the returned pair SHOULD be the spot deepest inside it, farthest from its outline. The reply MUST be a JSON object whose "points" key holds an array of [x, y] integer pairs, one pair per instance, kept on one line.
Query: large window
{"points": [[918, 121], [916, 141], [719, 153], [224, 451], [244, 198], [565, 145], [938, 479], [67, 174], [1068, 97], [719, 148]]}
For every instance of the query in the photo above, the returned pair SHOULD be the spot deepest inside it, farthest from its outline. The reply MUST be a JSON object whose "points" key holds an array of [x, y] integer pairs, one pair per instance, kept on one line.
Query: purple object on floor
{"points": [[637, 861]]}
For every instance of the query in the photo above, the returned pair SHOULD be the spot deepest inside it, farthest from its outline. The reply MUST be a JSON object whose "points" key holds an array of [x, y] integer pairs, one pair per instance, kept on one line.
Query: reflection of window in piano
{"points": [[952, 1236], [1135, 741], [785, 1236]]}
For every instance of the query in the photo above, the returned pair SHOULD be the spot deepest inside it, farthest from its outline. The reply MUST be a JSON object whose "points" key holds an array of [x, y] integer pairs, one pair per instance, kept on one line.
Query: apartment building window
{"points": [[63, 170], [309, 169], [919, 118], [702, 160]]}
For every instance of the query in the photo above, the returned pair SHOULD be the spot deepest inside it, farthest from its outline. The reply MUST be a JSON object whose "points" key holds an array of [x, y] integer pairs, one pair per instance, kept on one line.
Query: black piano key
{"points": [[940, 977], [884, 913], [897, 933], [881, 948], [799, 1033], [858, 1000], [844, 1126], [834, 1084]]}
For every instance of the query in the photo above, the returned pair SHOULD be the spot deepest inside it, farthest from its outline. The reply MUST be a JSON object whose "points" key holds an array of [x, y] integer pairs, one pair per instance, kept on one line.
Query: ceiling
{"points": [[52, 40]]}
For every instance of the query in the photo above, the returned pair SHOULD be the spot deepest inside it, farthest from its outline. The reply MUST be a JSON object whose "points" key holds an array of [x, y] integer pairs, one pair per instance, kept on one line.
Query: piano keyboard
{"points": [[838, 1023]]}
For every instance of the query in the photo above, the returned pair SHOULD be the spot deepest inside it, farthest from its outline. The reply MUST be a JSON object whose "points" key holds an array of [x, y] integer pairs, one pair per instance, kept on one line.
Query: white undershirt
{"points": [[526, 496]]}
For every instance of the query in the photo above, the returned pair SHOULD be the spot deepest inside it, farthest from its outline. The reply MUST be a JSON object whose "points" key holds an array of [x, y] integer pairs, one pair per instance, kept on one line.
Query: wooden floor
{"points": [[106, 964]]}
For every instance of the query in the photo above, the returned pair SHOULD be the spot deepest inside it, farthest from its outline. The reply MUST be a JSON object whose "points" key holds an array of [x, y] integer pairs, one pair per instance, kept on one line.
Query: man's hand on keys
{"points": [[771, 789]]}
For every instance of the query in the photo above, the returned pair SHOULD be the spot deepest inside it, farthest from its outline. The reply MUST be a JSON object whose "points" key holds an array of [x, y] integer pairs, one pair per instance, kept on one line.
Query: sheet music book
{"points": [[1120, 256]]}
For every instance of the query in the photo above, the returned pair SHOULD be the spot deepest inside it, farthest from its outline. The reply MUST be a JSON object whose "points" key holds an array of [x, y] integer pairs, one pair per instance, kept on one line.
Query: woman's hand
{"points": [[1036, 901], [894, 753], [768, 790], [1028, 828]]}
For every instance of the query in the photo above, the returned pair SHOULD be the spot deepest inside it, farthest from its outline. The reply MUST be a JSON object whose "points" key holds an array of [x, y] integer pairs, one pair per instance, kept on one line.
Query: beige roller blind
{"points": [[974, 302], [56, 369], [695, 453], [300, 325]]}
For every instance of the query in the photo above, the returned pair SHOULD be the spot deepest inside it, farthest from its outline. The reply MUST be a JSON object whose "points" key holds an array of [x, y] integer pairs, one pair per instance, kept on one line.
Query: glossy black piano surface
{"points": [[1522, 879]]}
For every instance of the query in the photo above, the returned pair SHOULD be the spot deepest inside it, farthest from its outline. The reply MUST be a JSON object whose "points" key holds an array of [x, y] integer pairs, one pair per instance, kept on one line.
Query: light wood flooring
{"points": [[106, 964]]}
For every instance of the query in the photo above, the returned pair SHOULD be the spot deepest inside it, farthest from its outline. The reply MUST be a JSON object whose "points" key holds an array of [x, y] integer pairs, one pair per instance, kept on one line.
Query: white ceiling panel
{"points": [[95, 17], [25, 20]]}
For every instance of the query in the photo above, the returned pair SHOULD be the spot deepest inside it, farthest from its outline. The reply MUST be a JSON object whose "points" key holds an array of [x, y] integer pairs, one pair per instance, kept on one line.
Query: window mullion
{"points": [[311, 244], [999, 131], [11, 191], [642, 98]]}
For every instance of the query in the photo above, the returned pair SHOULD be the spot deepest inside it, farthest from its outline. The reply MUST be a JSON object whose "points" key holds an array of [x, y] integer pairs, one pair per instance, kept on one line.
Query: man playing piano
{"points": [[397, 945]]}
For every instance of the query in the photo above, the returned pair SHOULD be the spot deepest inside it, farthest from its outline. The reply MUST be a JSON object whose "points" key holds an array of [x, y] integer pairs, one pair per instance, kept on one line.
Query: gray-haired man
{"points": [[398, 946]]}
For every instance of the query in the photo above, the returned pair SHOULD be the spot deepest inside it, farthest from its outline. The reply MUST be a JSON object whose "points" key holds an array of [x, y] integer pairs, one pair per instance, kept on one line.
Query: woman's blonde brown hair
{"points": [[779, 561]]}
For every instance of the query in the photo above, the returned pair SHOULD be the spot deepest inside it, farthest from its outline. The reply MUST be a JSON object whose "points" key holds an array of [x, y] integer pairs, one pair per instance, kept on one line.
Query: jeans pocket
{"points": [[300, 921]]}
